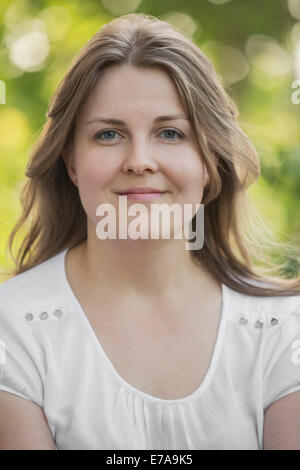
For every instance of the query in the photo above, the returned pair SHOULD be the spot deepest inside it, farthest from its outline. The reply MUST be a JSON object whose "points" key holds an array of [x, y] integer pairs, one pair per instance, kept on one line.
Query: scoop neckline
{"points": [[146, 396]]}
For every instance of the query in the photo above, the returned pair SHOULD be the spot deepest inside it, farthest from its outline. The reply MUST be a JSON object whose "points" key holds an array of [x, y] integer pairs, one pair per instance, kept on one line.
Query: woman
{"points": [[124, 343]]}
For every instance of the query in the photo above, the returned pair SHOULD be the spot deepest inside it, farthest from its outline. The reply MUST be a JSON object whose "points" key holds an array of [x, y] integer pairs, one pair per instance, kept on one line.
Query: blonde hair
{"points": [[51, 202]]}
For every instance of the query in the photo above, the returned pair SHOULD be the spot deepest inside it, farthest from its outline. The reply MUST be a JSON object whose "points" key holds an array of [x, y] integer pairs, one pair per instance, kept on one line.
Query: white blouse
{"points": [[49, 354]]}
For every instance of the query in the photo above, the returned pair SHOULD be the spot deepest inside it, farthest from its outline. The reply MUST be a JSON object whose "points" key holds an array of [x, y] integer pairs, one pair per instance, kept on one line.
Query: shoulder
{"points": [[262, 312], [34, 289], [268, 328]]}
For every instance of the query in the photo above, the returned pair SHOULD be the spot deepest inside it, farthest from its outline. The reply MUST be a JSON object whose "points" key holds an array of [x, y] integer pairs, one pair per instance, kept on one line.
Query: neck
{"points": [[141, 269]]}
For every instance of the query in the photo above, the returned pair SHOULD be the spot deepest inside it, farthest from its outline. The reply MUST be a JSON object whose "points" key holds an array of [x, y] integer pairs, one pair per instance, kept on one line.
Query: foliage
{"points": [[253, 45]]}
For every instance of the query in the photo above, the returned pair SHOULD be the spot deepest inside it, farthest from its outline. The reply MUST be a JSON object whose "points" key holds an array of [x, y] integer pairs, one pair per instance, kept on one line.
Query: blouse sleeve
{"points": [[282, 359], [20, 358]]}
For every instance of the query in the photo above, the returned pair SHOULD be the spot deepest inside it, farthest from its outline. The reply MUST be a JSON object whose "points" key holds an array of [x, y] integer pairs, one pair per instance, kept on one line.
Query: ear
{"points": [[67, 156]]}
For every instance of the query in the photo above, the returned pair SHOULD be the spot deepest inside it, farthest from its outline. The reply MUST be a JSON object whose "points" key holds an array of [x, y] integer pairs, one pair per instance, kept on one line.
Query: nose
{"points": [[139, 159]]}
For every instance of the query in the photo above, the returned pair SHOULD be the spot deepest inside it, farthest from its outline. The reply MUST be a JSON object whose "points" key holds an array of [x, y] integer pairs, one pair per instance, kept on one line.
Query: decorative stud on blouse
{"points": [[243, 320], [29, 316], [274, 321], [58, 313], [259, 324], [43, 316]]}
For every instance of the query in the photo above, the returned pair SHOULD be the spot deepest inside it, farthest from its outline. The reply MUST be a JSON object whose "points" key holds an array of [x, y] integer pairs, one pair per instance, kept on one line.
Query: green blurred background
{"points": [[254, 45]]}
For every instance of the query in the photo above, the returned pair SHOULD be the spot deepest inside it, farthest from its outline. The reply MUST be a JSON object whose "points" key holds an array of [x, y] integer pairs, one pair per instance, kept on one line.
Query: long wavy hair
{"points": [[235, 239]]}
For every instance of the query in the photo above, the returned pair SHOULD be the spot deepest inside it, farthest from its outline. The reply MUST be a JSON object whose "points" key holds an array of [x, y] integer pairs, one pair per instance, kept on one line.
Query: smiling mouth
{"points": [[143, 196]]}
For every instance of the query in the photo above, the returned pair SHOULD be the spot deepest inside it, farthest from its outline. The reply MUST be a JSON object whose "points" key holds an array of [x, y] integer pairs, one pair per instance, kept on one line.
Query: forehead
{"points": [[126, 89]]}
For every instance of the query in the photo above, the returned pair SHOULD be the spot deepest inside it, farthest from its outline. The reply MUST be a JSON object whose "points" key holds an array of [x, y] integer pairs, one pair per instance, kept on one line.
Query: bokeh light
{"points": [[183, 22], [57, 20], [294, 8], [270, 63], [14, 129], [219, 2], [230, 62], [28, 44], [121, 7]]}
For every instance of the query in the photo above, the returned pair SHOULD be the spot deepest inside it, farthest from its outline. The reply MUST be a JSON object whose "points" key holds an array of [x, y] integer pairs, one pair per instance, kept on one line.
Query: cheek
{"points": [[94, 172], [188, 173], [94, 179]]}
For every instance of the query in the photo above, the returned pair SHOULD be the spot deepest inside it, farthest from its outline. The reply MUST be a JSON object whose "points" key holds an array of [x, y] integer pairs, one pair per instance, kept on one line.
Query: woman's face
{"points": [[109, 157]]}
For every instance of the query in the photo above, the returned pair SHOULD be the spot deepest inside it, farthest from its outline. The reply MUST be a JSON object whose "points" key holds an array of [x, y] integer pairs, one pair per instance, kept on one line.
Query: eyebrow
{"points": [[118, 122]]}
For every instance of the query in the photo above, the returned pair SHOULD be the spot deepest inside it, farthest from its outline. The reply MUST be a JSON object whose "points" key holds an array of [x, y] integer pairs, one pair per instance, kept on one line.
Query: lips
{"points": [[143, 190], [142, 194]]}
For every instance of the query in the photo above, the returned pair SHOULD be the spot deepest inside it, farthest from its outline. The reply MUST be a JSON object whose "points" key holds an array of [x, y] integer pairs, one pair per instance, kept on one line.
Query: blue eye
{"points": [[105, 132], [180, 136], [111, 132]]}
